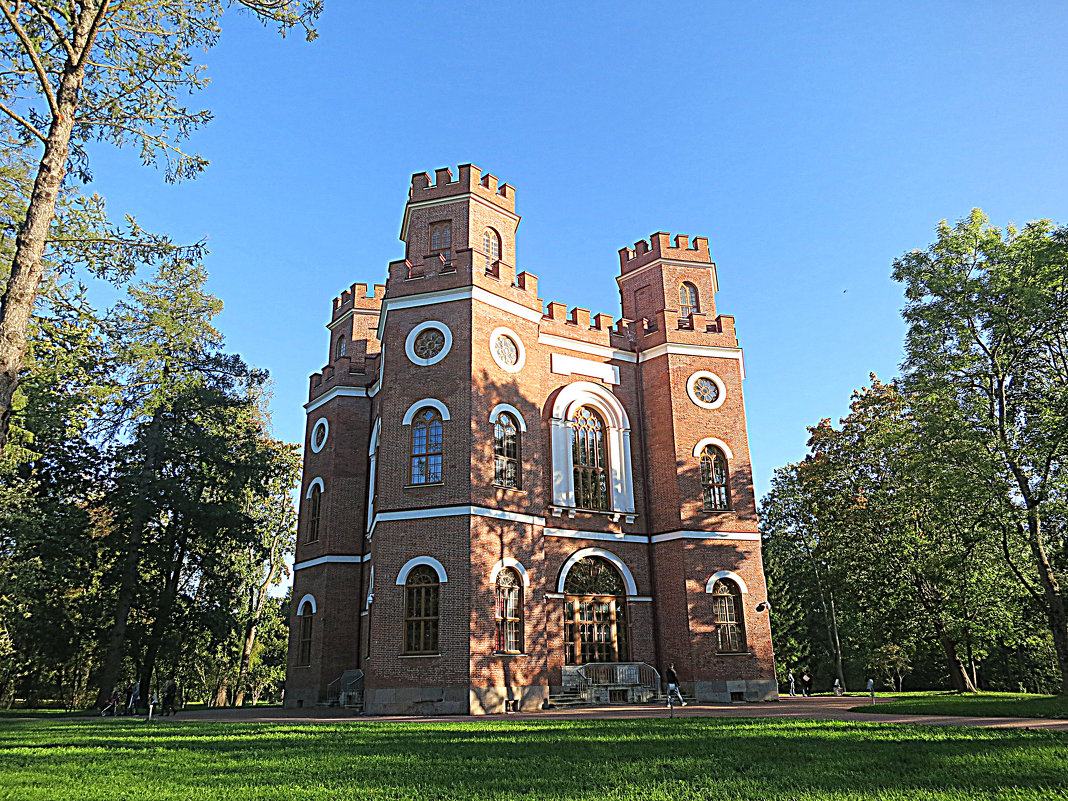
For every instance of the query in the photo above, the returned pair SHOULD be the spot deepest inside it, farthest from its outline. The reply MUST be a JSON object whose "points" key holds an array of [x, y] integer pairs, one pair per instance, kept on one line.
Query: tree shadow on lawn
{"points": [[686, 757]]}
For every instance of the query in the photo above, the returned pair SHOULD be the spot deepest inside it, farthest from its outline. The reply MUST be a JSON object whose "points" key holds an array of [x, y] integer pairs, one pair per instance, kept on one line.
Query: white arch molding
{"points": [[315, 482], [726, 574], [501, 408], [439, 568], [307, 599], [376, 437], [433, 403], [723, 446], [628, 577], [568, 401], [513, 563]]}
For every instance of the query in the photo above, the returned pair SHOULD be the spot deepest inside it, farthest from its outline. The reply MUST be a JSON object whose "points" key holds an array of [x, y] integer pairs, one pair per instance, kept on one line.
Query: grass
{"points": [[685, 758], [998, 705]]}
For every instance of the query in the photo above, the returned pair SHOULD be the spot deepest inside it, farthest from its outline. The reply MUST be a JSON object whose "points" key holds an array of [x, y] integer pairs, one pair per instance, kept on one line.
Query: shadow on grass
{"points": [[619, 759]]}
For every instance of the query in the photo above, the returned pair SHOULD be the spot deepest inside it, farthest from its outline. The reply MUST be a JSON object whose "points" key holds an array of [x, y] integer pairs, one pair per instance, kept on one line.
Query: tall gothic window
{"points": [[588, 459], [508, 613], [421, 611], [441, 240], [339, 351], [506, 452], [727, 611], [491, 246], [304, 644], [688, 300], [715, 480], [595, 613], [426, 447], [315, 507]]}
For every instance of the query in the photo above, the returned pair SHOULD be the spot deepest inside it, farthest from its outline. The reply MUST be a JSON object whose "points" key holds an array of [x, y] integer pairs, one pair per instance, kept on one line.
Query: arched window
{"points": [[441, 239], [315, 506], [491, 247], [426, 446], [508, 613], [727, 611], [588, 460], [506, 452], [715, 480], [688, 300], [339, 351], [304, 644], [421, 611], [595, 613]]}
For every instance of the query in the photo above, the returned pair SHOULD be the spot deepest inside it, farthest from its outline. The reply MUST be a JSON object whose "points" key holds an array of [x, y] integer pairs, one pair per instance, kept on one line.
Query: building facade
{"points": [[501, 496]]}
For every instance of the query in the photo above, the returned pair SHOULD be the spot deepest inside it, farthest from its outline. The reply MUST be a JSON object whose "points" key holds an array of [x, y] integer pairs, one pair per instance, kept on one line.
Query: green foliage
{"points": [[681, 758], [995, 705]]}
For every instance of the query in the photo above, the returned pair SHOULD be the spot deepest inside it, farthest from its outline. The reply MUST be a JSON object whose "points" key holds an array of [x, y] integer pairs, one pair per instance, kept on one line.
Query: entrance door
{"points": [[595, 613]]}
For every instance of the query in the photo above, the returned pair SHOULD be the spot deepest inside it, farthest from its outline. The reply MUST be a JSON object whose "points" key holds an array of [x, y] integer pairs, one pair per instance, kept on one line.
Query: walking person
{"points": [[672, 679], [871, 689], [838, 687], [806, 683], [170, 690], [133, 698], [793, 684]]}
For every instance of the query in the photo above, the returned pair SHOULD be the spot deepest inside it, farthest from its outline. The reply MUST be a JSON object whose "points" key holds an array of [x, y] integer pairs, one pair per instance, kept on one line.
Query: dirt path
{"points": [[786, 708]]}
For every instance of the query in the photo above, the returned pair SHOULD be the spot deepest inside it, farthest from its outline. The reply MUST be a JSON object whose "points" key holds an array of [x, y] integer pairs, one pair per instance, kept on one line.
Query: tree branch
{"points": [[25, 123], [27, 44], [60, 35]]}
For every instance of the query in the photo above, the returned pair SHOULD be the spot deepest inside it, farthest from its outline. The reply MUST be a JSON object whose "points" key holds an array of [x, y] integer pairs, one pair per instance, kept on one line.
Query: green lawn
{"points": [[1000, 705], [685, 758]]}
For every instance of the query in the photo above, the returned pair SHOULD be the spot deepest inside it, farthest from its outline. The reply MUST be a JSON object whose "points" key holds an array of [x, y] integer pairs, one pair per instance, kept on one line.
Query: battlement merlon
{"points": [[470, 181], [356, 297], [659, 247]]}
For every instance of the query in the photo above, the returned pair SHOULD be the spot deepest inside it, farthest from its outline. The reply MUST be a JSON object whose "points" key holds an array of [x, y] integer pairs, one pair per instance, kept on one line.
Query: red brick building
{"points": [[503, 499]]}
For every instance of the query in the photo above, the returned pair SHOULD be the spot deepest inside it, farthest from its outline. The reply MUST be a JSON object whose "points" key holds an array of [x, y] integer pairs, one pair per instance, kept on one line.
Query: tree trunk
{"points": [[253, 626], [1051, 593], [962, 683], [836, 643], [163, 615], [27, 265], [109, 674]]}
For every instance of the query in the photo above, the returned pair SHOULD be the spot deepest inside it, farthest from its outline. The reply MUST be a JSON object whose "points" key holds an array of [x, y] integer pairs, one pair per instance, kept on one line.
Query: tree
{"points": [[892, 661], [988, 345], [107, 71]]}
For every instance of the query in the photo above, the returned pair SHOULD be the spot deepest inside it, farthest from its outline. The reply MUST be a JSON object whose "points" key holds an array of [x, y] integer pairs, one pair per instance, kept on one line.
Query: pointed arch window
{"points": [[728, 617], [506, 452], [595, 613], [339, 349], [304, 644], [508, 613], [426, 446], [491, 247], [315, 507], [688, 302], [589, 461], [715, 480], [421, 590], [441, 239]]}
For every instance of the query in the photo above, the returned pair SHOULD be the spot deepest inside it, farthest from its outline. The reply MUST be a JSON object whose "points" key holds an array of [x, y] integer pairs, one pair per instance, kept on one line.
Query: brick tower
{"points": [[503, 501]]}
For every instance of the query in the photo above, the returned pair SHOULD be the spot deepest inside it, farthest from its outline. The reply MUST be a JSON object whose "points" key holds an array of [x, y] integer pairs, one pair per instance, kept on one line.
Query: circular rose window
{"points": [[429, 343], [507, 351], [706, 389], [320, 431]]}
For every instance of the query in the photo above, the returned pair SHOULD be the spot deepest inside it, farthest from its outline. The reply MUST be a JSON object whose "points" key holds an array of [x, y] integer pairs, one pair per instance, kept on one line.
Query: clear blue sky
{"points": [[812, 143]]}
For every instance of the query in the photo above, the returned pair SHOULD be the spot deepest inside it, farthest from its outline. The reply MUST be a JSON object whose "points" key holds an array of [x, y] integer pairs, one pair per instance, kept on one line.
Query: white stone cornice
{"points": [[711, 536], [336, 392], [604, 536], [586, 347], [331, 559]]}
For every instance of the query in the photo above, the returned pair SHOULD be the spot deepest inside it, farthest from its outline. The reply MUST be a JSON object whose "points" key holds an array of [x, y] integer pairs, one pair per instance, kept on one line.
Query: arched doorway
{"points": [[595, 613]]}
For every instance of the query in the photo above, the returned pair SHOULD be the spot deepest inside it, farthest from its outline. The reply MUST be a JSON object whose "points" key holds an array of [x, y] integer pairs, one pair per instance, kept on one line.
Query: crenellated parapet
{"points": [[659, 246], [580, 323], [356, 297], [470, 181]]}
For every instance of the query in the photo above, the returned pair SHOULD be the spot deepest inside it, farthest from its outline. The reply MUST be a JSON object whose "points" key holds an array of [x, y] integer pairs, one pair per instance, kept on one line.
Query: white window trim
{"points": [[716, 380], [372, 452], [439, 568], [513, 563], [326, 437], [501, 408], [508, 332], [409, 343], [723, 446], [307, 599], [311, 486], [726, 574], [433, 403], [628, 577], [569, 399], [370, 589]]}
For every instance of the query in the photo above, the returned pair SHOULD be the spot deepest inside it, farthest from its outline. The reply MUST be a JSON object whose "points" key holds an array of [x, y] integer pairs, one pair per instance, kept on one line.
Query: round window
{"points": [[429, 343], [320, 431], [706, 389], [507, 350]]}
